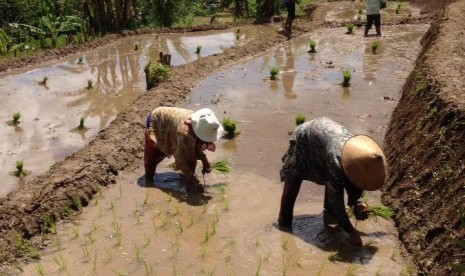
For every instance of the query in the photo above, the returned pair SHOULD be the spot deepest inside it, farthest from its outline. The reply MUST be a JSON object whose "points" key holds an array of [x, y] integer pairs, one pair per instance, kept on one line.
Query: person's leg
{"points": [[152, 156], [369, 23], [377, 19], [290, 191]]}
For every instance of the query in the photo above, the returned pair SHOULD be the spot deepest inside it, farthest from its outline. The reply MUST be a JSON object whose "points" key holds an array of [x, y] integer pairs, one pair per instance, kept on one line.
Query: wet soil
{"points": [[114, 150], [44, 135], [163, 229]]}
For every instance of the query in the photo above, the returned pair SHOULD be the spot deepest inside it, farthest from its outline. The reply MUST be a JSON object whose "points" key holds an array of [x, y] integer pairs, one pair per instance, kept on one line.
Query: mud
{"points": [[44, 135], [163, 229]]}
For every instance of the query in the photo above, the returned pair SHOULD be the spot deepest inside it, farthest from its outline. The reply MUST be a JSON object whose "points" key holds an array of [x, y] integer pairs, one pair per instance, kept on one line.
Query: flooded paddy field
{"points": [[50, 111], [135, 229]]}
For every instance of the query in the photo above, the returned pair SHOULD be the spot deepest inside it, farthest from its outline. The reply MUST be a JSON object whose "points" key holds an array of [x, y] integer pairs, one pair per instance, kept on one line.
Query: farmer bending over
{"points": [[185, 135], [324, 152]]}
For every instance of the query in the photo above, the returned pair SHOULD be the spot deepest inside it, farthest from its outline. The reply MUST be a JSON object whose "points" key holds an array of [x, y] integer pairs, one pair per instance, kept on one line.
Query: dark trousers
{"points": [[373, 18]]}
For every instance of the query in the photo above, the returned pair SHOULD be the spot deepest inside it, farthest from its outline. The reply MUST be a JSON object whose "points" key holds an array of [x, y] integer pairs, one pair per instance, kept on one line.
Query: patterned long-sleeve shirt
{"points": [[315, 154], [175, 138]]}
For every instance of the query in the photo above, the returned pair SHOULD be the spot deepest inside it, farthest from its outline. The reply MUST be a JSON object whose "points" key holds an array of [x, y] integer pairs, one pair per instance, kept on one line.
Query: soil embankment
{"points": [[424, 145]]}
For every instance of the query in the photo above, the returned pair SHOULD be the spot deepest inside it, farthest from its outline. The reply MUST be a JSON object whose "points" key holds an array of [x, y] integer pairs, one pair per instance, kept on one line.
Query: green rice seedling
{"points": [[20, 169], [399, 6], [147, 240], [80, 61], [203, 251], [94, 262], [198, 50], [213, 224], [298, 262], [75, 233], [359, 17], [118, 235], [312, 45], [267, 256], [148, 268], [108, 256], [257, 241], [226, 205], [350, 28], [374, 47], [81, 127], [136, 47], [230, 241], [285, 266], [78, 203], [41, 269], [257, 272], [170, 197], [61, 262], [347, 77], [112, 205], [85, 248], [395, 254], [380, 211], [176, 210], [91, 237], [300, 119], [238, 36], [230, 126], [146, 199], [379, 271], [206, 237], [274, 73], [58, 243], [321, 269], [238, 31], [16, 117], [191, 220], [120, 189], [205, 207], [285, 244], [217, 218], [180, 227], [90, 85], [351, 270], [334, 257], [360, 11], [137, 253], [44, 80], [50, 223], [120, 272], [222, 166], [155, 73], [174, 250]]}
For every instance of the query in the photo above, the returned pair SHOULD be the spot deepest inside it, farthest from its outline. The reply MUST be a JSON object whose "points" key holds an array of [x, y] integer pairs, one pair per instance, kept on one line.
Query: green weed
{"points": [[274, 73], [230, 126], [300, 119], [347, 77]]}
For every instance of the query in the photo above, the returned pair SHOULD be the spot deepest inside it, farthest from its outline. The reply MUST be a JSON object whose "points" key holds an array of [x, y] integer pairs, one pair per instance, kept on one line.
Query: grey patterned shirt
{"points": [[314, 154]]}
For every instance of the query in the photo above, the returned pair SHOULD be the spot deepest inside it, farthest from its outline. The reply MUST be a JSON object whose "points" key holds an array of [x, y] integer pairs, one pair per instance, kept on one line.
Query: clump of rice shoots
{"points": [[81, 127], [274, 73], [19, 168], [80, 61], [300, 119], [380, 211], [374, 47], [347, 77], [312, 45], [238, 31], [198, 50], [350, 28], [90, 84], [230, 126], [136, 47], [399, 6], [155, 72], [44, 80], [359, 17], [16, 117], [222, 166]]}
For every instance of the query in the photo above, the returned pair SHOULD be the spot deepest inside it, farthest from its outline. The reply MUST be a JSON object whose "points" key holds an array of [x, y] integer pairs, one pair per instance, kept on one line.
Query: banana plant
{"points": [[5, 42]]}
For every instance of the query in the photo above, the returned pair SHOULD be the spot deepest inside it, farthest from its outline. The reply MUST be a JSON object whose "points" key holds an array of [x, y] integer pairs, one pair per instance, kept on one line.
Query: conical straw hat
{"points": [[364, 162]]}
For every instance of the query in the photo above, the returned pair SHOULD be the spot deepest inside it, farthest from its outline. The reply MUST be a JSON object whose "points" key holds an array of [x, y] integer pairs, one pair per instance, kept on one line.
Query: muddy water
{"points": [[132, 229], [49, 112]]}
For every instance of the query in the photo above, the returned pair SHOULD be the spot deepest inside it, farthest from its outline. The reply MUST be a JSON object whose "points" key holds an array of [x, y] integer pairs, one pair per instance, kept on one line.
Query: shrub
{"points": [[155, 73], [273, 73], [300, 119], [312, 45], [230, 126], [347, 77]]}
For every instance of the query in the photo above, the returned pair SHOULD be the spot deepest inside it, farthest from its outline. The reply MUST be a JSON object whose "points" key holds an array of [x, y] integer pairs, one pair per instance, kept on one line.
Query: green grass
{"points": [[274, 73], [230, 126], [347, 77], [300, 119], [155, 73]]}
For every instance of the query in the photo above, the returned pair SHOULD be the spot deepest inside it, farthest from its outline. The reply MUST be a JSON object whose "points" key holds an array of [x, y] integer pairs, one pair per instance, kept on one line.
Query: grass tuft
{"points": [[20, 169], [374, 47], [347, 77], [350, 28], [230, 126], [312, 45], [300, 119]]}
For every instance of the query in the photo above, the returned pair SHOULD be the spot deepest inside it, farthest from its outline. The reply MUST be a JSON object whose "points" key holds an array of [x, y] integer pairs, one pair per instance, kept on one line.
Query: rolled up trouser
{"points": [[152, 155]]}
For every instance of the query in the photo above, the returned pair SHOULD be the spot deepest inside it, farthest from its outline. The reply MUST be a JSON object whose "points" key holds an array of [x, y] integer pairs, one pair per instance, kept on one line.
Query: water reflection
{"points": [[289, 74]]}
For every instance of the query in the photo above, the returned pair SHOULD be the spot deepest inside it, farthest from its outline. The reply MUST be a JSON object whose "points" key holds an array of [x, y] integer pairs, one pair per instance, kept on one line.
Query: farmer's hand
{"points": [[206, 168], [355, 238], [361, 211]]}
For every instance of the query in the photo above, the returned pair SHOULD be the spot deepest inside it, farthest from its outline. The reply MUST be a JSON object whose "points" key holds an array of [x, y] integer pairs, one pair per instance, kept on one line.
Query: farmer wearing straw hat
{"points": [[324, 152], [183, 134]]}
